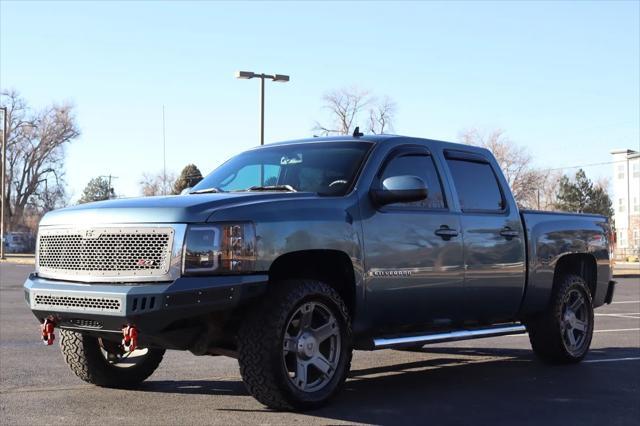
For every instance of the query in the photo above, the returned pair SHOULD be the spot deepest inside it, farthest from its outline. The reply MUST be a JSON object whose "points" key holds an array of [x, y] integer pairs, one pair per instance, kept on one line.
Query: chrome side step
{"points": [[449, 336]]}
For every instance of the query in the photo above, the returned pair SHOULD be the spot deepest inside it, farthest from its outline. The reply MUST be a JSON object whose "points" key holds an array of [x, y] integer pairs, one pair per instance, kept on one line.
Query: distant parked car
{"points": [[17, 242]]}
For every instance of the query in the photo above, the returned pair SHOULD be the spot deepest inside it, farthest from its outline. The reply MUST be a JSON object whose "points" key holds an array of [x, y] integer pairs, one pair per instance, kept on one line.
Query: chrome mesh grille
{"points": [[91, 303], [105, 251]]}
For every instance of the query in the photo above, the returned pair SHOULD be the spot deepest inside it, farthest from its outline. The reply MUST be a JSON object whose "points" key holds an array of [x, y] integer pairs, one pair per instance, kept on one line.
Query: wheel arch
{"points": [[581, 264], [333, 267]]}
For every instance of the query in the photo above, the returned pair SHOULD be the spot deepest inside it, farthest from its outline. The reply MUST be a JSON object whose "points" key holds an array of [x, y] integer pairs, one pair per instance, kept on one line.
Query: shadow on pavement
{"points": [[198, 387], [491, 386], [472, 386]]}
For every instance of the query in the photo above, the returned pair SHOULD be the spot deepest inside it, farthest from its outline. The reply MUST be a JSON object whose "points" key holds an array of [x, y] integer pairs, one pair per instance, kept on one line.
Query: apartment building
{"points": [[626, 201]]}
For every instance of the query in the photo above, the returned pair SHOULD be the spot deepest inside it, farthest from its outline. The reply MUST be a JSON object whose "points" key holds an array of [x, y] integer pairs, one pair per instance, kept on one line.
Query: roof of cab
{"points": [[378, 139], [345, 138]]}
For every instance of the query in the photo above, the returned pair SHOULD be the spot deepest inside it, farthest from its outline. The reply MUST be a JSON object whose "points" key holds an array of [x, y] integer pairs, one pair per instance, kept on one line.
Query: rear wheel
{"points": [[104, 363], [562, 334], [295, 349]]}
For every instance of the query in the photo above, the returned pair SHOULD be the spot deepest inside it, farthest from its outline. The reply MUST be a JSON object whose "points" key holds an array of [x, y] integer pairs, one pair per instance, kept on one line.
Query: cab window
{"points": [[476, 185], [422, 166]]}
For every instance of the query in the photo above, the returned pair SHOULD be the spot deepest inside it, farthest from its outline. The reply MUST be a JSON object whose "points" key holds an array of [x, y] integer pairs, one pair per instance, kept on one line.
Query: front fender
{"points": [[313, 223]]}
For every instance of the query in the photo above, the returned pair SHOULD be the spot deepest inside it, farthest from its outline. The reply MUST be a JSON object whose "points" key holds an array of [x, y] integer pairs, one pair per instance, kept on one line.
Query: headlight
{"points": [[226, 248]]}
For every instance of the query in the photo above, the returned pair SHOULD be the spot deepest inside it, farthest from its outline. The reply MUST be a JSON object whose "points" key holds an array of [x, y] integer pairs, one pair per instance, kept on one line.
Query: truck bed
{"points": [[553, 235]]}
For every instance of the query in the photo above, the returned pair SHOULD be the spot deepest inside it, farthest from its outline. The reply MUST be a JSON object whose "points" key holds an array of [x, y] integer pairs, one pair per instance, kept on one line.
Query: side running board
{"points": [[449, 336]]}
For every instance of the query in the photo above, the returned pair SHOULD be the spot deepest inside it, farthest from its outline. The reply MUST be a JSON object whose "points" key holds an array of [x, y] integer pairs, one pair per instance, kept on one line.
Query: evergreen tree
{"points": [[97, 189], [189, 176], [580, 195]]}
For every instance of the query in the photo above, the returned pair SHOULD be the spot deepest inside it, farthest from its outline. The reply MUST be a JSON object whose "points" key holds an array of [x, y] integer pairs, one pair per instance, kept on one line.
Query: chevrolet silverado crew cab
{"points": [[291, 255]]}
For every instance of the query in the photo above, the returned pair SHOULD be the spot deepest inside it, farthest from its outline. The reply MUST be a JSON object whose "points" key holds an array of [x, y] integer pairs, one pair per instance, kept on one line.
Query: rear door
{"points": [[494, 243], [414, 275]]}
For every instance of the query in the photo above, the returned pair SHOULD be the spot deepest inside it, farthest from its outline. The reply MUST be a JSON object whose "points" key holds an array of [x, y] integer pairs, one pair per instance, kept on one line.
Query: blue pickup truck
{"points": [[291, 255]]}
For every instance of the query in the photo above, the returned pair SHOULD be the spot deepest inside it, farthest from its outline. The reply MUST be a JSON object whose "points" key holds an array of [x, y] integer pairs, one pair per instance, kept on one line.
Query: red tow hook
{"points": [[130, 338], [48, 334]]}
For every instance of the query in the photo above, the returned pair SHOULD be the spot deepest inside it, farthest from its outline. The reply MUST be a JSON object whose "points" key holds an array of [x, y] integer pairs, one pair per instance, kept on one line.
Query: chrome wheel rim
{"points": [[311, 347], [574, 323], [117, 357]]}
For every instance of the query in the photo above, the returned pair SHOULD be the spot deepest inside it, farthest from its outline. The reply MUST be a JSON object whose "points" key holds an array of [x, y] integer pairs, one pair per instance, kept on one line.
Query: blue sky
{"points": [[561, 78]]}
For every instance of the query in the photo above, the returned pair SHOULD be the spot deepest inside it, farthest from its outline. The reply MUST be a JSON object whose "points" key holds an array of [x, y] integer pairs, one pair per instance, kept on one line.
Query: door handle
{"points": [[446, 233], [509, 233]]}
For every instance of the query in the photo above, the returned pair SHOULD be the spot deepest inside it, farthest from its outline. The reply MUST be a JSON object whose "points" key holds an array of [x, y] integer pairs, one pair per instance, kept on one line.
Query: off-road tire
{"points": [[260, 345], [83, 356], [545, 330]]}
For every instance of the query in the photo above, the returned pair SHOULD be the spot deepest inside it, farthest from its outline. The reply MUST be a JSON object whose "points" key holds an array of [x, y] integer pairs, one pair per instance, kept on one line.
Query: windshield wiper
{"points": [[272, 188], [211, 190]]}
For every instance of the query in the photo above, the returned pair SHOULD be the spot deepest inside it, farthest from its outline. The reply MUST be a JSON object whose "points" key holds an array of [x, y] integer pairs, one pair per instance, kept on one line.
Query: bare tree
{"points": [[347, 108], [531, 188], [35, 156], [159, 183], [381, 116], [546, 191]]}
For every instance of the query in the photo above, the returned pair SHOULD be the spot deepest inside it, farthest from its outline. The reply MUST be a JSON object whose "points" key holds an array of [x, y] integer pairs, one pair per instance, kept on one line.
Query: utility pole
{"points": [[3, 190], [262, 109], [629, 236], [164, 157], [280, 78], [109, 176]]}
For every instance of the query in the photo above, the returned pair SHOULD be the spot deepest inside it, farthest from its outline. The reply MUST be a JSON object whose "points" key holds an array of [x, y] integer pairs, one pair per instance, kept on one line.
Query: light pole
{"points": [[246, 75], [2, 181]]}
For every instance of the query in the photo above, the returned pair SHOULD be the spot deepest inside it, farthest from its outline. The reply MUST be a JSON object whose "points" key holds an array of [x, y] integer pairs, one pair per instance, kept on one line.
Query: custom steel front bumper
{"points": [[102, 309]]}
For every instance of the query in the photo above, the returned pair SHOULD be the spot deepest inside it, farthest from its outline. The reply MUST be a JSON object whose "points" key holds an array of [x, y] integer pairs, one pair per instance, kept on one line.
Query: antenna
{"points": [[356, 132]]}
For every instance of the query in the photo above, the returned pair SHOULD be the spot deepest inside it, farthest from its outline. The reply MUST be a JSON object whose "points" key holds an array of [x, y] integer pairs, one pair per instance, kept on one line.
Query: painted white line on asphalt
{"points": [[617, 313], [613, 330], [621, 315], [613, 359], [625, 301]]}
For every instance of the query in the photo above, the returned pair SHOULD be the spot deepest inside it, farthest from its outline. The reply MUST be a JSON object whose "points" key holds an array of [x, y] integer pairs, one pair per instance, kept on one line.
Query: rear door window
{"points": [[476, 185]]}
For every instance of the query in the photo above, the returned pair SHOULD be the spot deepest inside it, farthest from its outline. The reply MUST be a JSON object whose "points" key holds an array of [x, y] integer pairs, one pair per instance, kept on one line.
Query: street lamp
{"points": [[247, 75], [2, 180]]}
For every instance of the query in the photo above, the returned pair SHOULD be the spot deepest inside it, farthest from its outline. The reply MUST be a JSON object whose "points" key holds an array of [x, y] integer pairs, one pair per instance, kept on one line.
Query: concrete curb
{"points": [[626, 275], [19, 260]]}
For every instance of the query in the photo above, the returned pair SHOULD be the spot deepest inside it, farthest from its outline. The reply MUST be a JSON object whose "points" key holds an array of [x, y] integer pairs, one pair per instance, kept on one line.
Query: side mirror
{"points": [[400, 189]]}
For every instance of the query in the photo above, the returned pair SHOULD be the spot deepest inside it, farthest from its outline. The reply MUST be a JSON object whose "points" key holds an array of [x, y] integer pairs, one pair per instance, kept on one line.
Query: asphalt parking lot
{"points": [[491, 381]]}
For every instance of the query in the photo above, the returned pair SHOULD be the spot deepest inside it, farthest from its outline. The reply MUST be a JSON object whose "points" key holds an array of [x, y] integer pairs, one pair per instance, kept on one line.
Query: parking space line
{"points": [[613, 359], [613, 330], [625, 301], [630, 315]]}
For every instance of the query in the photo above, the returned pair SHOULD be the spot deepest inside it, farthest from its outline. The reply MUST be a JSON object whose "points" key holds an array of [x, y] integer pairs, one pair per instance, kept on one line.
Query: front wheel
{"points": [[104, 363], [295, 349], [562, 334]]}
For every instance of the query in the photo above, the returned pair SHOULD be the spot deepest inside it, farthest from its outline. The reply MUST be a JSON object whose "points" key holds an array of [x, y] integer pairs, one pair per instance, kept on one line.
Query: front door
{"points": [[413, 257]]}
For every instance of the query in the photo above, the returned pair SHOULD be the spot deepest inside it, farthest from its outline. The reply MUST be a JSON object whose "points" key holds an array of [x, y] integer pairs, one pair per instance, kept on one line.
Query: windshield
{"points": [[327, 168]]}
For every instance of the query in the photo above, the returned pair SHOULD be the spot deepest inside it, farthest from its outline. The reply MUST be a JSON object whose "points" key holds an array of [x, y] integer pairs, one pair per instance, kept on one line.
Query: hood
{"points": [[164, 209]]}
